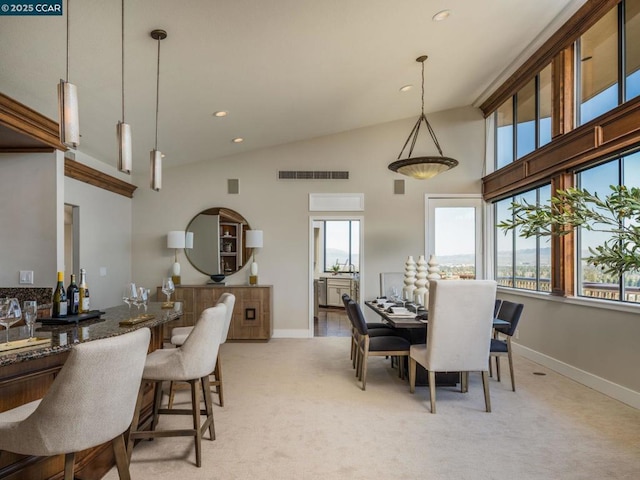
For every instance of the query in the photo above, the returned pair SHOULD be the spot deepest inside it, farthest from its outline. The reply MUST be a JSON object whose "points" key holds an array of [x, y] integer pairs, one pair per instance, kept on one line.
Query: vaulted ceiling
{"points": [[285, 70]]}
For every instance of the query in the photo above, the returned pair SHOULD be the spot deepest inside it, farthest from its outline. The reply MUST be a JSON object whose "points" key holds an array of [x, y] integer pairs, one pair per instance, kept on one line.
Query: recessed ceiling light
{"points": [[221, 113], [238, 140], [406, 88], [442, 15]]}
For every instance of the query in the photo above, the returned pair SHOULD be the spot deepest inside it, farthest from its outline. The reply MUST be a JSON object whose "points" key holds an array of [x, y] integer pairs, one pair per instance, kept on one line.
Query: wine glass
{"points": [[10, 313], [142, 299], [30, 310], [129, 294], [167, 288]]}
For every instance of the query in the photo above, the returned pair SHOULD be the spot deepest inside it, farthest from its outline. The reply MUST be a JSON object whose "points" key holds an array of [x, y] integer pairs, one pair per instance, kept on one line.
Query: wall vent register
{"points": [[312, 175]]}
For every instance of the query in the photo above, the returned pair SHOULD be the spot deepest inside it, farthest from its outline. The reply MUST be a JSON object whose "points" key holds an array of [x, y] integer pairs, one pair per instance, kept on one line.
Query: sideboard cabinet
{"points": [[252, 313]]}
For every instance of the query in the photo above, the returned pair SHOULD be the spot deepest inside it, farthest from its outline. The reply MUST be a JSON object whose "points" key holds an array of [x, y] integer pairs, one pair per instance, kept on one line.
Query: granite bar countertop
{"points": [[64, 336]]}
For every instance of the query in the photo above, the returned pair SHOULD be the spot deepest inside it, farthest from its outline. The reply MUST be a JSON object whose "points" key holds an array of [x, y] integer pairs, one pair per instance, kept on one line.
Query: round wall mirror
{"points": [[218, 241]]}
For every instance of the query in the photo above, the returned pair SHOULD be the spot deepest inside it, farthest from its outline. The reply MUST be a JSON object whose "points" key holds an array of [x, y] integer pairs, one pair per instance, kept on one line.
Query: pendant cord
{"points": [[123, 121], [157, 93], [422, 63]]}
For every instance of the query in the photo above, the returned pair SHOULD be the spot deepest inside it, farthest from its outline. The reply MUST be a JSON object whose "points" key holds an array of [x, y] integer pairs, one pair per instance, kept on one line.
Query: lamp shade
{"points": [[68, 110], [254, 239], [176, 239]]}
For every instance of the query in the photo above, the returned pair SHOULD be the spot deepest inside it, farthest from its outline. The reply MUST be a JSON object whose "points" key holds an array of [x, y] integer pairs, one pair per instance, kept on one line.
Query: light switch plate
{"points": [[26, 277]]}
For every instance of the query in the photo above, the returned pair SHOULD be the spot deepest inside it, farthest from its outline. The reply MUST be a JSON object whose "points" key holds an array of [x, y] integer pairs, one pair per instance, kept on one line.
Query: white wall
{"points": [[28, 218], [393, 226], [105, 234]]}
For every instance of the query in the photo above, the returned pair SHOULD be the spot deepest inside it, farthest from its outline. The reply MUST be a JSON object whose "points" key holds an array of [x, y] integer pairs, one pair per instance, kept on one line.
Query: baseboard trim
{"points": [[602, 385], [291, 333]]}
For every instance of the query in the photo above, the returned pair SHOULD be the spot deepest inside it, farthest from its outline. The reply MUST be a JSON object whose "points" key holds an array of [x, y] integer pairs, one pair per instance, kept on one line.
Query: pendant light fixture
{"points": [[68, 105], [123, 129], [156, 155], [427, 166]]}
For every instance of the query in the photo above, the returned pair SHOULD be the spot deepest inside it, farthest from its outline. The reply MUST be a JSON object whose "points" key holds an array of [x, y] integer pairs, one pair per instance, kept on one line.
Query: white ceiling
{"points": [[286, 70]]}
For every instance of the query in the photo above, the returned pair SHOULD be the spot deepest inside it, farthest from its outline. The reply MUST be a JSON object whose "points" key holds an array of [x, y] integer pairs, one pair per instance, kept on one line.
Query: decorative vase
{"points": [[409, 278], [434, 269], [421, 281]]}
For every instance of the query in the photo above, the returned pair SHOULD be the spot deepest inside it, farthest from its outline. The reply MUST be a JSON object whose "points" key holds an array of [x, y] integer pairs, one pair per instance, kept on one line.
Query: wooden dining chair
{"points": [[376, 329], [458, 335], [384, 346], [501, 343]]}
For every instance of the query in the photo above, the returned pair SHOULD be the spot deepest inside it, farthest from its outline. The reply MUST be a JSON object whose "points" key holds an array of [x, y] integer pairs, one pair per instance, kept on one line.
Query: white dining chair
{"points": [[458, 334]]}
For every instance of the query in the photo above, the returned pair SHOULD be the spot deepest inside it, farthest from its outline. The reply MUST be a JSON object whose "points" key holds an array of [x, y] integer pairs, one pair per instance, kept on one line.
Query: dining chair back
{"points": [[510, 312], [91, 401], [459, 332]]}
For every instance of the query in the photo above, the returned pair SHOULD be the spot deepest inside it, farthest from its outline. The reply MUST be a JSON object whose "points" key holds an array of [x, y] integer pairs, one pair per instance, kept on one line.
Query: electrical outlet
{"points": [[517, 335], [26, 277], [103, 271]]}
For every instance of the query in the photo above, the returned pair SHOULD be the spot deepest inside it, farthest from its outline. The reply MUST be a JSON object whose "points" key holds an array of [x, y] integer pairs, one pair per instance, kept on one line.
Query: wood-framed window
{"points": [[581, 135]]}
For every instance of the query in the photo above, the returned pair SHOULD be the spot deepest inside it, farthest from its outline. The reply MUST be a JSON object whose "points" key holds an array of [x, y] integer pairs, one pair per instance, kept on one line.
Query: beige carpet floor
{"points": [[293, 410]]}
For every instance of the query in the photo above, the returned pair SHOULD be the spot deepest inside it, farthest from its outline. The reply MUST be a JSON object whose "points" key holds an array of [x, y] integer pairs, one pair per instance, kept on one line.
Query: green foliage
{"points": [[618, 214]]}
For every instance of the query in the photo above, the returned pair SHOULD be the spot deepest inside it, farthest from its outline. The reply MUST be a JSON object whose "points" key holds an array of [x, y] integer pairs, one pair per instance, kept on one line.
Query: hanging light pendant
{"points": [[123, 130], [156, 155], [68, 105], [427, 166]]}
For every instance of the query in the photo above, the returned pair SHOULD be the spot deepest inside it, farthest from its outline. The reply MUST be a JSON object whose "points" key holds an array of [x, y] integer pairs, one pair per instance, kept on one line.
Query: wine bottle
{"points": [[84, 292], [60, 298], [73, 297]]}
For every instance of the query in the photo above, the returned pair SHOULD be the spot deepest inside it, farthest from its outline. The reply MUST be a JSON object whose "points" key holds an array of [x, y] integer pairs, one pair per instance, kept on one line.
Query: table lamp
{"points": [[176, 239], [254, 240]]}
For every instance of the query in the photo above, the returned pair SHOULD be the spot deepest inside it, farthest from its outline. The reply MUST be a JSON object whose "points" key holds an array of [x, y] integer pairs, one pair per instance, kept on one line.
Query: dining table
{"points": [[413, 327]]}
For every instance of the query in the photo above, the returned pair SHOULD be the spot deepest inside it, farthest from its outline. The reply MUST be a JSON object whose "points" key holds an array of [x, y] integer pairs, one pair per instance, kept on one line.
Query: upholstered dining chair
{"points": [[510, 312], [91, 401], [180, 334], [385, 345], [192, 363], [458, 333], [376, 329]]}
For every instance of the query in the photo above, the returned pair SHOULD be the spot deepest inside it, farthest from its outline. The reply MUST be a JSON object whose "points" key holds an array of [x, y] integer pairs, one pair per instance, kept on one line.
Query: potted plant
{"points": [[617, 214]]}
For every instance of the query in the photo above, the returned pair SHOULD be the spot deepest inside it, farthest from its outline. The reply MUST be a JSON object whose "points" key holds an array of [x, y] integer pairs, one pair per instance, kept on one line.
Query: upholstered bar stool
{"points": [[180, 334], [91, 401], [192, 363]]}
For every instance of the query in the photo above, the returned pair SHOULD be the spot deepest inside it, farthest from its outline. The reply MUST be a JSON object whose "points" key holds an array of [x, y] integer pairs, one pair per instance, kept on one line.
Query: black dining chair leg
{"points": [[498, 367], [513, 379], [464, 382]]}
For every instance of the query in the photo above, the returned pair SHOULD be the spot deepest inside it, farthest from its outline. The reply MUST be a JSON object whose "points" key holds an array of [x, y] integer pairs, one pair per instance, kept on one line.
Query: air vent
{"points": [[312, 175]]}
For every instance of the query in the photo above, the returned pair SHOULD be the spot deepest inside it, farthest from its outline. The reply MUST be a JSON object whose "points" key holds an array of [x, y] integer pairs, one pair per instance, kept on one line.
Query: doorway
{"points": [[336, 267], [72, 240]]}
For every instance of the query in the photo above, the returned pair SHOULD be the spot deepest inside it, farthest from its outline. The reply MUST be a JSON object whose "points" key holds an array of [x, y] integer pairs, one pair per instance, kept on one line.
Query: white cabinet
{"points": [[336, 287]]}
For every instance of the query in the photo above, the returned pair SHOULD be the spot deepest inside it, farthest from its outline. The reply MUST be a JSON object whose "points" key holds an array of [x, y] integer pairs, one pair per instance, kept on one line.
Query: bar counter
{"points": [[64, 336], [27, 373]]}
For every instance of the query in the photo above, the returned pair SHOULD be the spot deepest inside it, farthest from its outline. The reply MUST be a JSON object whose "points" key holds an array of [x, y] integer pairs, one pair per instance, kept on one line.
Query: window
{"points": [[504, 134], [545, 104], [454, 235], [523, 263], [531, 107], [592, 282], [597, 67], [632, 48], [342, 245]]}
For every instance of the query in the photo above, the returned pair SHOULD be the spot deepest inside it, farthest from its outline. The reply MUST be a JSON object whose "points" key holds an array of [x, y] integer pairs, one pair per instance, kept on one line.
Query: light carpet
{"points": [[294, 410]]}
